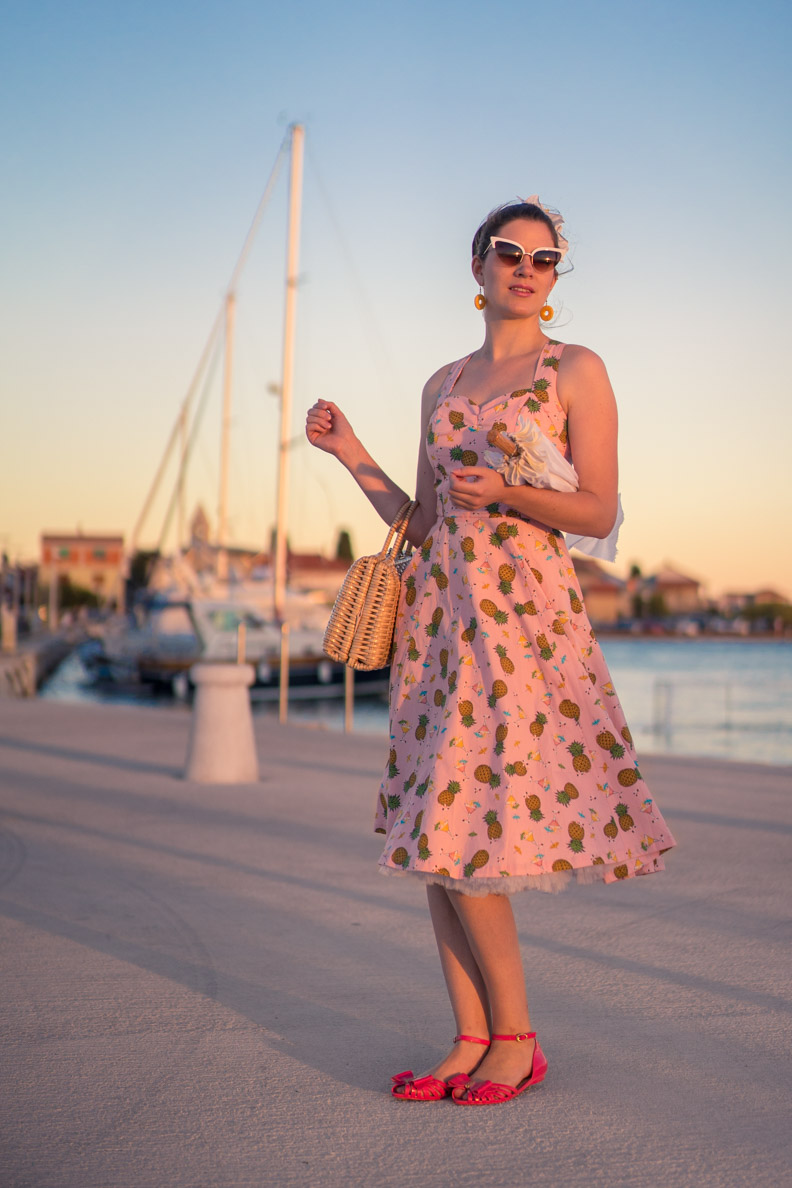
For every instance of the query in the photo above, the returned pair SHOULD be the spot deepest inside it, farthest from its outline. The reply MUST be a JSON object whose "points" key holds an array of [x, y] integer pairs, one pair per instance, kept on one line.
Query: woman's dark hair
{"points": [[501, 215]]}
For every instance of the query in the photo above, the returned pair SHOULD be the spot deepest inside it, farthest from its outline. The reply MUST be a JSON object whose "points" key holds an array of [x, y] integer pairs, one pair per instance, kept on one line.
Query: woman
{"points": [[511, 765]]}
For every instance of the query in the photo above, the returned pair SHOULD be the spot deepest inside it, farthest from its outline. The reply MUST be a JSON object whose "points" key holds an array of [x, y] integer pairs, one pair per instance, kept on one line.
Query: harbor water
{"points": [[726, 699]]}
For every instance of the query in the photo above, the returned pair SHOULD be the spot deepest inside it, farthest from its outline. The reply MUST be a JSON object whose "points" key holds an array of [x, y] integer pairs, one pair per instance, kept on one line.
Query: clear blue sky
{"points": [[136, 143]]}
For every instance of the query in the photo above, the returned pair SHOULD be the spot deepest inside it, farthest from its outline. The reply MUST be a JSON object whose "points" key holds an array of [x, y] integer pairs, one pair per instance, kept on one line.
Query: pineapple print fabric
{"points": [[511, 765]]}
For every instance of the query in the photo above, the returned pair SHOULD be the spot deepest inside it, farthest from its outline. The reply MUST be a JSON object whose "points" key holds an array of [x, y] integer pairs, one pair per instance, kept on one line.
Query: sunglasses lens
{"points": [[543, 261], [509, 253]]}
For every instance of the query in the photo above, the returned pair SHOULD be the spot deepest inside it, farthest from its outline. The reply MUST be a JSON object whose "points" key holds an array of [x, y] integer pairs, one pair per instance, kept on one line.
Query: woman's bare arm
{"points": [[328, 429]]}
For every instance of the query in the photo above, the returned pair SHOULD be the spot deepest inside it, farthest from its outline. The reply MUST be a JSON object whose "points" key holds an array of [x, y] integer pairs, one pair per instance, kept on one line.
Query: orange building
{"points": [[94, 562]]}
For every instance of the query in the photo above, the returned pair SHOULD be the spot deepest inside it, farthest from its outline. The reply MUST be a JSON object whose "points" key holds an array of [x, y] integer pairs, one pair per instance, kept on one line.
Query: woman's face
{"points": [[516, 290]]}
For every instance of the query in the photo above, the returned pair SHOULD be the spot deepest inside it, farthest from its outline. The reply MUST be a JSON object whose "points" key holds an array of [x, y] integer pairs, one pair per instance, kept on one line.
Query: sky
{"points": [[137, 141]]}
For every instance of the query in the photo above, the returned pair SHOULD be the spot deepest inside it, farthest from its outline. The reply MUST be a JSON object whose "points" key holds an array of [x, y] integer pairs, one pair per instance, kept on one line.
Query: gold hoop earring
{"points": [[546, 313], [479, 300]]}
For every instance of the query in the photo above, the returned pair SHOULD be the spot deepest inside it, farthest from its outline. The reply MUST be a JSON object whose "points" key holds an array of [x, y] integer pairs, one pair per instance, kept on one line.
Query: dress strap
{"points": [[454, 373]]}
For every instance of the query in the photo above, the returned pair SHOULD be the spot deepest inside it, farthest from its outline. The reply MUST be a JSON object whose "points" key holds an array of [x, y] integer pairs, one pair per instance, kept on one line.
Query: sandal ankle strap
{"points": [[472, 1039], [524, 1035]]}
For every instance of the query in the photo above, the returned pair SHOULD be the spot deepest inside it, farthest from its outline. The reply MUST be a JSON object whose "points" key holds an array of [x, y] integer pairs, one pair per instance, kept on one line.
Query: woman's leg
{"points": [[491, 933], [464, 982]]}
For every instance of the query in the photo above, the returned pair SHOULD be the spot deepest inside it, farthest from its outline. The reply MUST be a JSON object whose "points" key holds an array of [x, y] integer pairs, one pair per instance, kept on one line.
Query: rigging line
{"points": [[190, 446], [187, 401], [358, 287]]}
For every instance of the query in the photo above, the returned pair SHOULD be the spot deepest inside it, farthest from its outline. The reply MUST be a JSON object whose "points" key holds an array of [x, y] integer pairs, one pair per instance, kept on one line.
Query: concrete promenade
{"points": [[212, 986]]}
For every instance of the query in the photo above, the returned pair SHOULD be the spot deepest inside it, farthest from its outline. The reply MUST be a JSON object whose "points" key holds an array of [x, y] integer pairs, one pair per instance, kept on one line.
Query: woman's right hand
{"points": [[327, 428]]}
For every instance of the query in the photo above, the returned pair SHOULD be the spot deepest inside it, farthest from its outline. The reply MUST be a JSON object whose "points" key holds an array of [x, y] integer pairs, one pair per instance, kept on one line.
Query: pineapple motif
{"points": [[499, 689], [501, 732], [569, 709], [562, 864], [440, 577], [469, 634], [409, 586], [621, 871], [551, 361], [430, 436], [628, 776], [457, 419], [466, 710], [539, 390], [580, 760], [501, 533], [479, 859], [574, 601], [393, 770], [489, 608], [421, 789], [412, 652], [394, 802], [484, 775], [420, 729], [567, 793], [439, 698], [446, 797], [538, 725], [576, 835], [506, 573], [552, 540], [625, 733], [558, 626], [563, 436], [625, 820], [400, 857], [611, 830], [437, 618], [443, 663], [506, 664], [467, 548], [494, 827], [545, 651], [409, 783], [452, 682], [426, 549], [443, 870], [423, 848], [525, 608], [451, 525], [517, 768], [534, 806], [466, 457], [608, 743], [499, 427], [417, 828], [384, 803], [538, 575]]}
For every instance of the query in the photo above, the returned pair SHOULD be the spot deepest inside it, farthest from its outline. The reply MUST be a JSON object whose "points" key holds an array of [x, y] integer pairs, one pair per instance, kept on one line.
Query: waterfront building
{"points": [[93, 562]]}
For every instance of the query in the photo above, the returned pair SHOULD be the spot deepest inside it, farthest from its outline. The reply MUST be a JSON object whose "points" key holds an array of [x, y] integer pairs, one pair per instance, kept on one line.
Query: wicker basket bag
{"points": [[360, 631]]}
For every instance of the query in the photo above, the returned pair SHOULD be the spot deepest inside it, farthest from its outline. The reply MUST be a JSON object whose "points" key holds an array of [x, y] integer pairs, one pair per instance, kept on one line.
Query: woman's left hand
{"points": [[474, 487]]}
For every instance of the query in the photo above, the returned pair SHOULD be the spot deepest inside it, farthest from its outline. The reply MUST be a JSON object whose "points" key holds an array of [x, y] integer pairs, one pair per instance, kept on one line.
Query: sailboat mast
{"points": [[222, 510], [292, 261]]}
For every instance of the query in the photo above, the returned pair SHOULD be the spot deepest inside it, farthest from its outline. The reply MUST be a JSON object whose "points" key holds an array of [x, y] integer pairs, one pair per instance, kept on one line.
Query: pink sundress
{"points": [[511, 765]]}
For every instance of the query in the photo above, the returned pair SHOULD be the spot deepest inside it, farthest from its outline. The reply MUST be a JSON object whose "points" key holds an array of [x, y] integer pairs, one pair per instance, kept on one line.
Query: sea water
{"points": [[727, 699]]}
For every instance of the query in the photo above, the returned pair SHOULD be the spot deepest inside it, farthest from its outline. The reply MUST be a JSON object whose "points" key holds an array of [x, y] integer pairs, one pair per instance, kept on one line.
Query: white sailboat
{"points": [[213, 610]]}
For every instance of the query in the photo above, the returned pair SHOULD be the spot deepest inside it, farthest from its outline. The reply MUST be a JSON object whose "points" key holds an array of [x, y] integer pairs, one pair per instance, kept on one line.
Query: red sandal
{"points": [[490, 1092], [429, 1088]]}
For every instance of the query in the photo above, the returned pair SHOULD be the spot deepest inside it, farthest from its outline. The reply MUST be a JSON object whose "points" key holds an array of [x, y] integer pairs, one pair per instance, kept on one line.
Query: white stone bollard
{"points": [[222, 749]]}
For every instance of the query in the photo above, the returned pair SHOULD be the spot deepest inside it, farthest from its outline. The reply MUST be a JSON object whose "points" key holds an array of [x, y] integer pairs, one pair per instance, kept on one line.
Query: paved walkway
{"points": [[212, 986]]}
